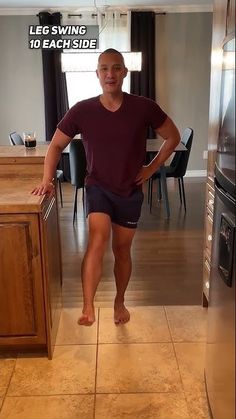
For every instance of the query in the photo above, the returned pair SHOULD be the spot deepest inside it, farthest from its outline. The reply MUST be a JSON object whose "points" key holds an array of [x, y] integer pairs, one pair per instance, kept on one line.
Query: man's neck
{"points": [[112, 101]]}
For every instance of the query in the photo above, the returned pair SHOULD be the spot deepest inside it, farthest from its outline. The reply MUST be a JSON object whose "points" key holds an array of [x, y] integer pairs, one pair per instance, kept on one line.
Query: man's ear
{"points": [[97, 73], [126, 71]]}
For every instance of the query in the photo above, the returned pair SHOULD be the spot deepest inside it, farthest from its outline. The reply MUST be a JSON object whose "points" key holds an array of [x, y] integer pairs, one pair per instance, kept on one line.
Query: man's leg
{"points": [[121, 246], [99, 233]]}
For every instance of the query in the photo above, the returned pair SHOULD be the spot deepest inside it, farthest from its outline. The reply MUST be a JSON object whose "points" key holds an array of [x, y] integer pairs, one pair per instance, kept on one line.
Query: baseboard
{"points": [[196, 173]]}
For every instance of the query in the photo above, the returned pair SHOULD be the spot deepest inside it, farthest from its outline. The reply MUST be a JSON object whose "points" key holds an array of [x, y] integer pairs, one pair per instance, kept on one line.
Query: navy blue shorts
{"points": [[124, 211]]}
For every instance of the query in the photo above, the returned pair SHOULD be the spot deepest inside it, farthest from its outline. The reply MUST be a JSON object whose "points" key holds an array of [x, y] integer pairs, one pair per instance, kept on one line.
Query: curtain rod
{"points": [[103, 14]]}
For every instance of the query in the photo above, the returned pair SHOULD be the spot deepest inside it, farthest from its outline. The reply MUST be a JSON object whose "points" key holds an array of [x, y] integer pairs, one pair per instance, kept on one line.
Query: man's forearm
{"points": [[165, 152], [51, 161]]}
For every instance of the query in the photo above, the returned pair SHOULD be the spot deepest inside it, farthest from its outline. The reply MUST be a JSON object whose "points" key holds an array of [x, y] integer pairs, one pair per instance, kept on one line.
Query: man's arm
{"points": [[57, 145], [169, 132]]}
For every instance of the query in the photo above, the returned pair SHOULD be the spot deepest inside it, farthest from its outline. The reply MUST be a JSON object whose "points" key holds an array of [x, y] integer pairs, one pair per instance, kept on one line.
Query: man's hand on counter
{"points": [[44, 188]]}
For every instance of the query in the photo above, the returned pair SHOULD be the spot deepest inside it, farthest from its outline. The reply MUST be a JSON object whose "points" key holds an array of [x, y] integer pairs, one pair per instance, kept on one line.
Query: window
{"points": [[114, 32]]}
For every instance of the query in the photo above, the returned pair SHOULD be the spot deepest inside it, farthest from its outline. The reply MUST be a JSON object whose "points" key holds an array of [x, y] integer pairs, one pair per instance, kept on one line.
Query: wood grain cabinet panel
{"points": [[21, 293], [30, 279], [51, 251]]}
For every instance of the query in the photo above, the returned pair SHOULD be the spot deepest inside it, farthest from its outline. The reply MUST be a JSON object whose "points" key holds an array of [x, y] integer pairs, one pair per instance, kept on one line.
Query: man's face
{"points": [[111, 72]]}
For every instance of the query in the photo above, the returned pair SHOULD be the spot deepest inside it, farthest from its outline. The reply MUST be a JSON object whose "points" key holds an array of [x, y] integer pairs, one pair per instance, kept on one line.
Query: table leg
{"points": [[164, 191]]}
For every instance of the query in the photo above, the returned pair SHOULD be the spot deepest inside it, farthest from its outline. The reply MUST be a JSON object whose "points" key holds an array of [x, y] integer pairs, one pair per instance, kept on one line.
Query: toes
{"points": [[121, 321], [85, 321]]}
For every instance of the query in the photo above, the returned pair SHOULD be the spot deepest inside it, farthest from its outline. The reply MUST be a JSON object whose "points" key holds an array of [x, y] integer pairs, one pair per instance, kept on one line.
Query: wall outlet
{"points": [[205, 154]]}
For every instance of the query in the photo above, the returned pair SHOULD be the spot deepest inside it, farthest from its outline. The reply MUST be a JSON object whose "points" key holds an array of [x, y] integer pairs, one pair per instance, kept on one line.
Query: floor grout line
{"points": [[96, 365], [7, 387]]}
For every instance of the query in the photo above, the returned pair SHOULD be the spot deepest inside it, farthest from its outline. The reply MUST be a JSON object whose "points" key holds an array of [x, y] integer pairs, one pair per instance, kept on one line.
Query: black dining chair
{"points": [[78, 165], [16, 139], [176, 169]]}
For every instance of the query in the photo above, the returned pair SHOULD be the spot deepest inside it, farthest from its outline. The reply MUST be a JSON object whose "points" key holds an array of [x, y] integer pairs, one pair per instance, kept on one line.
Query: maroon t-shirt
{"points": [[115, 142]]}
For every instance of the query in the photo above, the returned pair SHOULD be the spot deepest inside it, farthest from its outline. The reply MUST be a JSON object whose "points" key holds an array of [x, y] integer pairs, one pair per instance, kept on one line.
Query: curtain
{"points": [[114, 31], [55, 91], [143, 39]]}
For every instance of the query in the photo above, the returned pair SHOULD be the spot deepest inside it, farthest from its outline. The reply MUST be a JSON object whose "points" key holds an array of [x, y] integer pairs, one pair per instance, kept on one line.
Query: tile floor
{"points": [[150, 368]]}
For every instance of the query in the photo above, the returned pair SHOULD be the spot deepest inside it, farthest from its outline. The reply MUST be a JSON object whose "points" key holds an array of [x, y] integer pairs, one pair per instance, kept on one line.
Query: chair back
{"points": [[78, 163], [15, 139], [180, 161]]}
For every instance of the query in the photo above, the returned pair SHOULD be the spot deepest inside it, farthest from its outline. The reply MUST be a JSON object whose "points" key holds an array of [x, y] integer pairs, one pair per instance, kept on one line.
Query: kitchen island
{"points": [[30, 254]]}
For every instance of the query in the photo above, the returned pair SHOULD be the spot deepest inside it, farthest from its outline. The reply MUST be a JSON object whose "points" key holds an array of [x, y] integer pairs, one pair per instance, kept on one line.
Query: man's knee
{"points": [[99, 232], [121, 250], [98, 242]]}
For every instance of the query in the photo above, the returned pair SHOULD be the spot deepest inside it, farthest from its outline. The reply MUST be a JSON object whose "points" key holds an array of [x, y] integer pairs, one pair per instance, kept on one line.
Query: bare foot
{"points": [[87, 318], [121, 314]]}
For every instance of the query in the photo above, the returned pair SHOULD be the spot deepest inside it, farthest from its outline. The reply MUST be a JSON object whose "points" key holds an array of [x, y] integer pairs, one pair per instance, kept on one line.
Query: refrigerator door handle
{"points": [[226, 249]]}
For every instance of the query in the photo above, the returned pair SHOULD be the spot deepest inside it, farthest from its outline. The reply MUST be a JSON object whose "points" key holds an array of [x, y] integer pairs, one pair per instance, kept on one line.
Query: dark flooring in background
{"points": [[167, 254]]}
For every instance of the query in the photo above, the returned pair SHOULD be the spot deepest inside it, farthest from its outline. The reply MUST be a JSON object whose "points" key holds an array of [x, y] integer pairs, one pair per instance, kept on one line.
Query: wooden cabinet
{"points": [[51, 259], [30, 255], [22, 310], [30, 279]]}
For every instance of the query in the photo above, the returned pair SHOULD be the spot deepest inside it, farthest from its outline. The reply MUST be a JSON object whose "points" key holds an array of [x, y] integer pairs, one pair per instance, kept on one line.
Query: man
{"points": [[114, 128]]}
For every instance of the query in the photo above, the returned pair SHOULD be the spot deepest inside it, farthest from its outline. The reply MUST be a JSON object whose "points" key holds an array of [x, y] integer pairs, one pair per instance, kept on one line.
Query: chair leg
{"points": [[75, 204], [60, 191], [150, 194], [182, 183], [149, 189], [180, 191], [83, 198], [159, 190]]}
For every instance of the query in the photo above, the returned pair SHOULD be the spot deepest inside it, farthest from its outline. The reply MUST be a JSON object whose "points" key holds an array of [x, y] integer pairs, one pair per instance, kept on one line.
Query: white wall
{"points": [[183, 49], [21, 80], [183, 45]]}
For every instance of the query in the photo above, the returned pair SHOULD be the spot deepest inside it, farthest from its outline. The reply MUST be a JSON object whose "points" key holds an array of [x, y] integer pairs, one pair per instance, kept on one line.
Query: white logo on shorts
{"points": [[131, 222]]}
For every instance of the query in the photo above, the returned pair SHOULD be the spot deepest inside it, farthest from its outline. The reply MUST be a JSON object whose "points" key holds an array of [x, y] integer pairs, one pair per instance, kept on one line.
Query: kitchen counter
{"points": [[18, 153], [18, 161], [16, 197]]}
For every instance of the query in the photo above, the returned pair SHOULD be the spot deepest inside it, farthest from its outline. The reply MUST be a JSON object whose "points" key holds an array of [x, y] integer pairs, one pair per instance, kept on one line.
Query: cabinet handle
{"points": [[207, 265], [207, 284], [49, 209], [209, 217], [209, 237], [211, 202]]}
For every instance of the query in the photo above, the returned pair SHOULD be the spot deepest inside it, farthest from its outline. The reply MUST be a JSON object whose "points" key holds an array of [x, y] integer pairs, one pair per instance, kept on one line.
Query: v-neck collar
{"points": [[117, 110]]}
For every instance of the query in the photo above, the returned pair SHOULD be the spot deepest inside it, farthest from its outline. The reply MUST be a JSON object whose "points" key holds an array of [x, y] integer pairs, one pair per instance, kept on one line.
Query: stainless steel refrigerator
{"points": [[220, 348]]}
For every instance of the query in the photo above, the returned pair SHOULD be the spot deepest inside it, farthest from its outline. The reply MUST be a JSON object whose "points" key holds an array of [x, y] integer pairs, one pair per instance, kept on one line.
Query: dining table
{"points": [[153, 146]]}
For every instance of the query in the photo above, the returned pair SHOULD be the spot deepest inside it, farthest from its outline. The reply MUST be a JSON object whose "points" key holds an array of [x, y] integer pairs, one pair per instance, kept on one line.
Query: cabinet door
{"points": [[52, 265], [21, 290]]}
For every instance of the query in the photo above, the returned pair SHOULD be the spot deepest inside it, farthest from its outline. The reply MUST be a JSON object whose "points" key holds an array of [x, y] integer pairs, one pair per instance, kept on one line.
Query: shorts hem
{"points": [[97, 211], [123, 224]]}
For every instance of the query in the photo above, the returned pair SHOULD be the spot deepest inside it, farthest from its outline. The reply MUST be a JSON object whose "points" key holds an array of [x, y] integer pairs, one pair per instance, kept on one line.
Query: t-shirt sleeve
{"points": [[69, 123], [156, 115]]}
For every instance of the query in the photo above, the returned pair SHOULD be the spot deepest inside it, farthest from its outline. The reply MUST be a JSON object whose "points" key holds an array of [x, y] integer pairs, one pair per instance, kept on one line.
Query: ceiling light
{"points": [[87, 61]]}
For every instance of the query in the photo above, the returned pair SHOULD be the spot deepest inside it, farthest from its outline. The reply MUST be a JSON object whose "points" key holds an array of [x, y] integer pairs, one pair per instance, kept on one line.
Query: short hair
{"points": [[112, 51]]}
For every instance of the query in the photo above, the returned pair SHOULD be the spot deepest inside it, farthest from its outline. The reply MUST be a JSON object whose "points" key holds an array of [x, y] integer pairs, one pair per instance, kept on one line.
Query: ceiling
{"points": [[167, 5]]}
